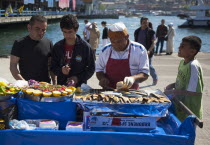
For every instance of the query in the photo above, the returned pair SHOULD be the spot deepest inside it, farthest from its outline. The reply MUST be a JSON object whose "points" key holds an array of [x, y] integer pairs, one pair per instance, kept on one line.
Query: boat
{"points": [[133, 14], [202, 18], [183, 16]]}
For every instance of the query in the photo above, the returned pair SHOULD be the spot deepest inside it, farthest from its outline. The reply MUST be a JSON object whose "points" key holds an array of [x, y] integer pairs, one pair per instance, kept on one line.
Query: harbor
{"points": [[10, 33]]}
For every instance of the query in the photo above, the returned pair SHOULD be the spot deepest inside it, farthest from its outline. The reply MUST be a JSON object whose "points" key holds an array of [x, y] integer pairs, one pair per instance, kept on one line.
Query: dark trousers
{"points": [[161, 42]]}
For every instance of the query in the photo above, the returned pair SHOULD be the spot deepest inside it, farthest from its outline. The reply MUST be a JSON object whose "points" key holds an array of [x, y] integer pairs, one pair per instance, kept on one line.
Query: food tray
{"points": [[152, 109], [48, 99]]}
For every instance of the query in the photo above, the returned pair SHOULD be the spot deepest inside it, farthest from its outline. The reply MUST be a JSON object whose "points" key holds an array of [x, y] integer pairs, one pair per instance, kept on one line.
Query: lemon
{"points": [[64, 93], [37, 92], [24, 90], [3, 84], [29, 91], [47, 94], [12, 89], [56, 93], [69, 91], [72, 88]]}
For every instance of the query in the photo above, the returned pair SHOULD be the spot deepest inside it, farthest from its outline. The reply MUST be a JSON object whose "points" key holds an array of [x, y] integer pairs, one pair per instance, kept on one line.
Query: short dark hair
{"points": [[194, 41], [38, 18], [68, 22], [86, 21], [143, 18], [103, 22]]}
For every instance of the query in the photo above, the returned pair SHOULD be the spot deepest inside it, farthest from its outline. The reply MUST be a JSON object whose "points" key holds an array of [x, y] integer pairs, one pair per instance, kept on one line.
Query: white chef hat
{"points": [[170, 24], [117, 30]]}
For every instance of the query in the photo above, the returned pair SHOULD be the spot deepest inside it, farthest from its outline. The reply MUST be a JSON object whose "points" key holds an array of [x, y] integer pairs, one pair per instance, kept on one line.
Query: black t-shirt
{"points": [[33, 63], [105, 33]]}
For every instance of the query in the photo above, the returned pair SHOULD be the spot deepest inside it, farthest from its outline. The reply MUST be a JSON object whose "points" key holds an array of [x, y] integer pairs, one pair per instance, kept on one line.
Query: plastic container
{"points": [[74, 126]]}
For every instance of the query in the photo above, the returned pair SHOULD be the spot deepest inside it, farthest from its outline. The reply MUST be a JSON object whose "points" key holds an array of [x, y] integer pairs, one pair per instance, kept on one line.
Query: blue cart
{"points": [[169, 129]]}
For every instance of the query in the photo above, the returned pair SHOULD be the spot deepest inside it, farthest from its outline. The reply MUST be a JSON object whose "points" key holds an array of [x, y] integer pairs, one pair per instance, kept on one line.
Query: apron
{"points": [[117, 70]]}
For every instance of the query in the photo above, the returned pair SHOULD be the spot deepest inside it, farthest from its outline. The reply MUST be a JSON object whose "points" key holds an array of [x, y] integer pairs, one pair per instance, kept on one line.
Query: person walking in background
{"points": [[32, 53], [161, 32], [104, 34], [150, 25], [189, 85], [86, 32], [122, 60], [170, 39], [94, 36], [146, 36], [72, 57]]}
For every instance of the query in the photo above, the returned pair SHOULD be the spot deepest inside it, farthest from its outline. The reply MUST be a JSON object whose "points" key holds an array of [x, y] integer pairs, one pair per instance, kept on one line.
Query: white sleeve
{"points": [[100, 63], [194, 75]]}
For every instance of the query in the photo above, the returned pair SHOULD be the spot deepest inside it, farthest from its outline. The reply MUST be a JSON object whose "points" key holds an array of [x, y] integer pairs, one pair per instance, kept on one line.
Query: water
{"points": [[8, 35]]}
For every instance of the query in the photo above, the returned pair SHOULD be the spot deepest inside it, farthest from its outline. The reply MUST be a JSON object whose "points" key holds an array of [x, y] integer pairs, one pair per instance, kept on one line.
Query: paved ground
{"points": [[166, 67]]}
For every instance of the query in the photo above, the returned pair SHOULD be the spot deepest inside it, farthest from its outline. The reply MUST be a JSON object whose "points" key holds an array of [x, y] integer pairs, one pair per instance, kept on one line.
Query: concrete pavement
{"points": [[166, 67]]}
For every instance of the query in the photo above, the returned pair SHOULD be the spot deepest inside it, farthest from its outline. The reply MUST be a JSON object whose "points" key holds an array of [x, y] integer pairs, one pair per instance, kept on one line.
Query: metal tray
{"points": [[153, 109]]}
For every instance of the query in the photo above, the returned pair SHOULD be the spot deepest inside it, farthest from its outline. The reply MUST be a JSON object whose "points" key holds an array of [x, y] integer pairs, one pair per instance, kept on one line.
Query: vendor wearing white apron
{"points": [[122, 60]]}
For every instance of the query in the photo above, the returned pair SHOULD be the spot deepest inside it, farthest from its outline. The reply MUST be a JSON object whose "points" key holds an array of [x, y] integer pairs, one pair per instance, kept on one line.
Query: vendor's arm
{"points": [[100, 68], [139, 78], [103, 81], [14, 60]]}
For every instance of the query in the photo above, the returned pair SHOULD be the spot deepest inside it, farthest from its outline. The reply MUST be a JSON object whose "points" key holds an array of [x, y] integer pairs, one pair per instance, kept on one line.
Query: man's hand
{"points": [[170, 87], [72, 81], [66, 69], [104, 82], [129, 81]]}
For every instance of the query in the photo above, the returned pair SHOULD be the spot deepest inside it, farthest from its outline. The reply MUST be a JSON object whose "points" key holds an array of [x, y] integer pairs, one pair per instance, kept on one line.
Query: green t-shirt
{"points": [[190, 78]]}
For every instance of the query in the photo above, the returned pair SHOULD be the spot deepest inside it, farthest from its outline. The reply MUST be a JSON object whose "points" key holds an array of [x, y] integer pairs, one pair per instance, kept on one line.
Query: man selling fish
{"points": [[122, 60]]}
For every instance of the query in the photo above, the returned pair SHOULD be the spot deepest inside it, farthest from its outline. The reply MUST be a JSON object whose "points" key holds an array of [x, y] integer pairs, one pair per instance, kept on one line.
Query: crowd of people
{"points": [[72, 59]]}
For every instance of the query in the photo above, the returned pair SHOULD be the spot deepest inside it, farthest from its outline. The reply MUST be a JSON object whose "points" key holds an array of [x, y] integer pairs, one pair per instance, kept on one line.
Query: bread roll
{"points": [[121, 86]]}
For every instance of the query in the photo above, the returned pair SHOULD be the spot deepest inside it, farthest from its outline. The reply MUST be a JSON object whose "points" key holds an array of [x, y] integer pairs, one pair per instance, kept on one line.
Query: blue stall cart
{"points": [[169, 130]]}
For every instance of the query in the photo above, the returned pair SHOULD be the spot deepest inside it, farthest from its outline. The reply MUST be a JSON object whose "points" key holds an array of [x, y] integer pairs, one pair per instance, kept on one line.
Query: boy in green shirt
{"points": [[189, 85]]}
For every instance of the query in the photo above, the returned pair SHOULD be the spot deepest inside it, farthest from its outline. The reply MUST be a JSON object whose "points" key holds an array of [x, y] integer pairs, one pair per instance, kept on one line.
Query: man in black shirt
{"points": [[32, 53], [104, 34], [72, 57]]}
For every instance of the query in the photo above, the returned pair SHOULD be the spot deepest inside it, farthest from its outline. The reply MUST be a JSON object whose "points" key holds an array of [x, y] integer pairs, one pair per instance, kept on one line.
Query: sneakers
{"points": [[154, 82]]}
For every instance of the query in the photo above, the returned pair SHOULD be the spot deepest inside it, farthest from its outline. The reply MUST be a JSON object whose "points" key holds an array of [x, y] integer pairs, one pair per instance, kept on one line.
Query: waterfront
{"points": [[9, 34]]}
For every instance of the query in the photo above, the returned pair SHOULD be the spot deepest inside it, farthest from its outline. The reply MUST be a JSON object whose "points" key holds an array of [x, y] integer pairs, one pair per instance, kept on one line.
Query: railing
{"points": [[30, 13]]}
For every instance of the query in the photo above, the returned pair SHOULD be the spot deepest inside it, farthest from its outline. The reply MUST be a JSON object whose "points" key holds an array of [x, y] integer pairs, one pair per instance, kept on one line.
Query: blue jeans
{"points": [[152, 70], [161, 41]]}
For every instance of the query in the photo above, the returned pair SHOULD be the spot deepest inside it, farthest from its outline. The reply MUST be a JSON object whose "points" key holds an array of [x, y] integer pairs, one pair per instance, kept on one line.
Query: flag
{"points": [[20, 9], [8, 10], [64, 4], [74, 5]]}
